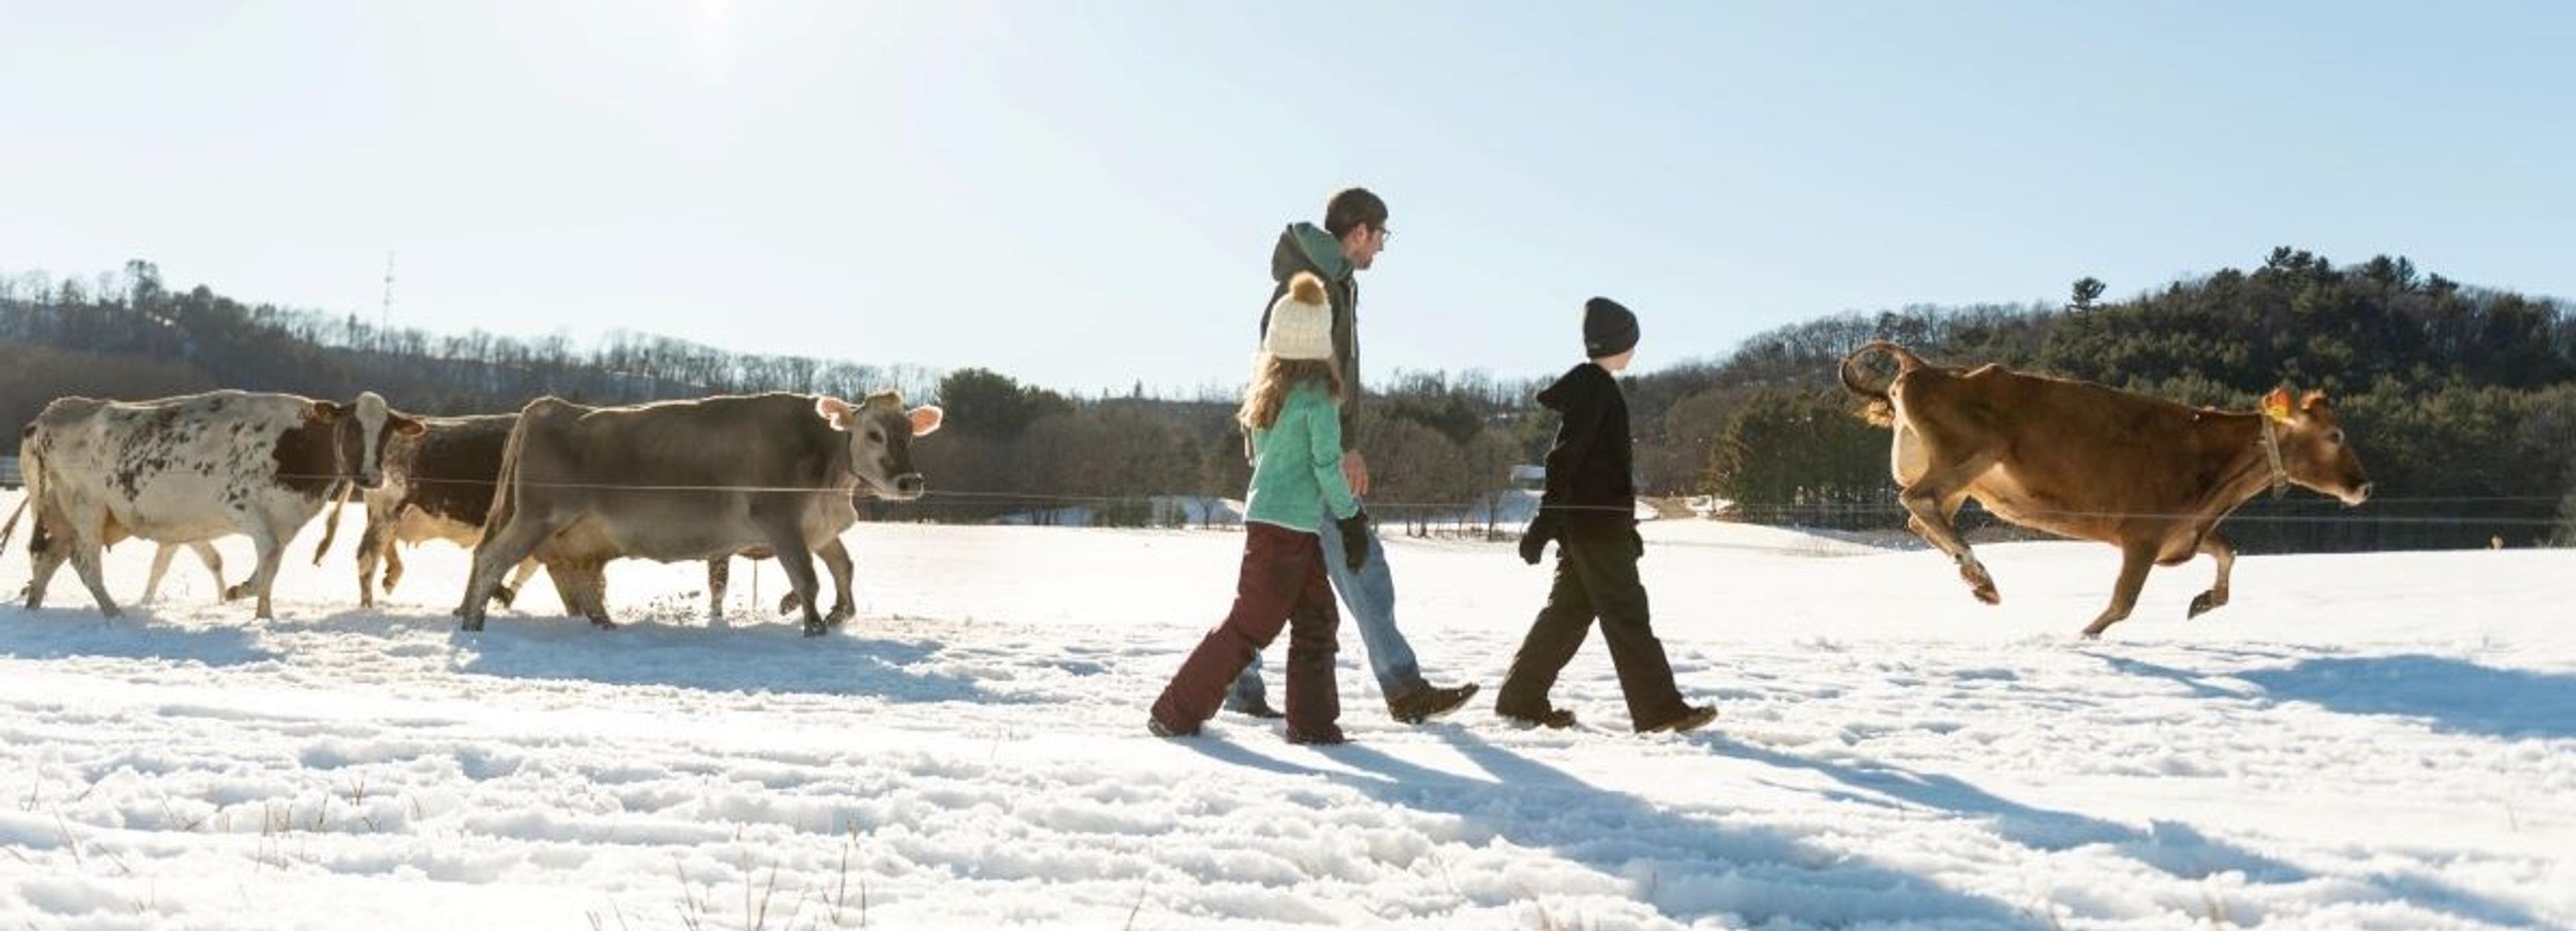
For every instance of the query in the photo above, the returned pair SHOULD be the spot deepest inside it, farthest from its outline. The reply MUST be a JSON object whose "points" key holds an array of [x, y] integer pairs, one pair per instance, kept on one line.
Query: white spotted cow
{"points": [[190, 469]]}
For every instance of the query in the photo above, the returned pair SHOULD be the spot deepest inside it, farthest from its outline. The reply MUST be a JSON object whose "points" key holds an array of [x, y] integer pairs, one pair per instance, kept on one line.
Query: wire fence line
{"points": [[1489, 512]]}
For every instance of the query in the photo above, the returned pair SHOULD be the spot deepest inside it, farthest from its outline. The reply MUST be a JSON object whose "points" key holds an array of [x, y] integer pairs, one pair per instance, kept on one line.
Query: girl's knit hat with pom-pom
{"points": [[1301, 323]]}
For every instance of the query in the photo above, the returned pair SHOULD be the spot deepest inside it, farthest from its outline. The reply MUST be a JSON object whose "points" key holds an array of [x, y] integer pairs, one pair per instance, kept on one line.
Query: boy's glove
{"points": [[1355, 543], [1638, 539], [1534, 540]]}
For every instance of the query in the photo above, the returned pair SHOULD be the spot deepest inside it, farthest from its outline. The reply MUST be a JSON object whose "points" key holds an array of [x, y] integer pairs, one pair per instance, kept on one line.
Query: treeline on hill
{"points": [[2461, 401], [1009, 449]]}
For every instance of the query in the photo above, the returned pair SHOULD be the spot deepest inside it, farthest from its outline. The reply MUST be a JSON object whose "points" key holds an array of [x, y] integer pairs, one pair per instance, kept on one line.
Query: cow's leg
{"points": [[86, 535], [374, 549], [2216, 597], [509, 594], [213, 560], [85, 563], [588, 587], [161, 554], [2135, 560], [836, 560], [46, 551], [1931, 521], [510, 546], [393, 565], [272, 548], [789, 546], [561, 577], [719, 576]]}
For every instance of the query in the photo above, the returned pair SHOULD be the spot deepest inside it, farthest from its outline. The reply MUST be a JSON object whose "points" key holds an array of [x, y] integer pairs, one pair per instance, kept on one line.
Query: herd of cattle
{"points": [[559, 485], [570, 487]]}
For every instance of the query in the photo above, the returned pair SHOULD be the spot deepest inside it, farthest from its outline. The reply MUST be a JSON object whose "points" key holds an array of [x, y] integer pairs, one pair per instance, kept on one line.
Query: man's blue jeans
{"points": [[1369, 595]]}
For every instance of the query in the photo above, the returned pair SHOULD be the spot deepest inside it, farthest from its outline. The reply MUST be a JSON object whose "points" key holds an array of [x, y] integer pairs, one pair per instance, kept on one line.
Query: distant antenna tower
{"points": [[385, 314]]}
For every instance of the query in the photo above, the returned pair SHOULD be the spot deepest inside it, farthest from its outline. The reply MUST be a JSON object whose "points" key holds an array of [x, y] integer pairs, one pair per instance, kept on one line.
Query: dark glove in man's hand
{"points": [[1355, 540]]}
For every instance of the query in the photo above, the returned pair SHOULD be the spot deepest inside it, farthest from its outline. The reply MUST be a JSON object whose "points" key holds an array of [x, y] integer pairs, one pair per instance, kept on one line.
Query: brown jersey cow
{"points": [[2073, 458]]}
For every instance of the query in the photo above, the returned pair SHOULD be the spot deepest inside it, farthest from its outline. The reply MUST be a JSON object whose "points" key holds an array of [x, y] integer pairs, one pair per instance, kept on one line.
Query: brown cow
{"points": [[437, 486], [2149, 476]]}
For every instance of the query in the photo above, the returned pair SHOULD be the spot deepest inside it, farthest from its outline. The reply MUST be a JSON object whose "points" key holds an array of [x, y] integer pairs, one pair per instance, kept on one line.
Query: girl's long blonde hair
{"points": [[1272, 377]]}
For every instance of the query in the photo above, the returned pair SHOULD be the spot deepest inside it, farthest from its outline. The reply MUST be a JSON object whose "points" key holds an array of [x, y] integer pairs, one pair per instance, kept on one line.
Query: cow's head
{"points": [[880, 435], [360, 431], [2313, 447]]}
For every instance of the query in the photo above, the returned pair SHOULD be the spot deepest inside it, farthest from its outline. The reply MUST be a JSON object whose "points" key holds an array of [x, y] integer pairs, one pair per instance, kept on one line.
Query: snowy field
{"points": [[2378, 741]]}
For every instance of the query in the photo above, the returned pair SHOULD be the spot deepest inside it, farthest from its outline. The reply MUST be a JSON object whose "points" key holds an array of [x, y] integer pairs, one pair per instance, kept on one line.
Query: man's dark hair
{"points": [[1351, 209]]}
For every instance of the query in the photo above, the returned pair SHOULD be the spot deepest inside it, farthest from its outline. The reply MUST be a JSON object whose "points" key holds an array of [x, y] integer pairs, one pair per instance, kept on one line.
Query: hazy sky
{"points": [[1085, 194]]}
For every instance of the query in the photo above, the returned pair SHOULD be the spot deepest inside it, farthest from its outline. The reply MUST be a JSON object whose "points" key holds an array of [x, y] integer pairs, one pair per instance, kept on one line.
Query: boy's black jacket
{"points": [[1591, 494]]}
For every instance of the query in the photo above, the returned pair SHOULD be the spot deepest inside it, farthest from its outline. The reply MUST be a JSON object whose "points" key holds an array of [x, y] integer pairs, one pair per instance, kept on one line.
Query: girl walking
{"points": [[1291, 412]]}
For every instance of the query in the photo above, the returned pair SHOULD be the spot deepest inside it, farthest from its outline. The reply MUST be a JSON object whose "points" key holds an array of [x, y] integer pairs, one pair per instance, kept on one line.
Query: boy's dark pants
{"points": [[1282, 582], [1594, 578]]}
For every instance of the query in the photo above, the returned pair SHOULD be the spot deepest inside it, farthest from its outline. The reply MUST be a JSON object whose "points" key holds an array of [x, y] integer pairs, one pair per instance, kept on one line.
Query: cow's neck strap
{"points": [[2272, 452]]}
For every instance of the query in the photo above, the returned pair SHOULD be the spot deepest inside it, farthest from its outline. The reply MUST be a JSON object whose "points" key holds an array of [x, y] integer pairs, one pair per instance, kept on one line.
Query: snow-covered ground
{"points": [[2379, 741]]}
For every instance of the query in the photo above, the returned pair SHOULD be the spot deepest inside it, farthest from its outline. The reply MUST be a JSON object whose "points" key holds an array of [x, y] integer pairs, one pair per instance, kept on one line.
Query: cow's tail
{"points": [[10, 529], [331, 528], [30, 469], [1876, 407], [504, 504]]}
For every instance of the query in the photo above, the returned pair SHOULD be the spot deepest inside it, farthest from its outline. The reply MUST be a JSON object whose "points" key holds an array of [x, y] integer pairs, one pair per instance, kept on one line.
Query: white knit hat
{"points": [[1301, 323]]}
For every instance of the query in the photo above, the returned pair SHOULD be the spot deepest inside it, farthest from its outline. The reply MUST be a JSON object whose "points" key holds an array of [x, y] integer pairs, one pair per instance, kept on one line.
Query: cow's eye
{"points": [[876, 436], [2335, 437]]}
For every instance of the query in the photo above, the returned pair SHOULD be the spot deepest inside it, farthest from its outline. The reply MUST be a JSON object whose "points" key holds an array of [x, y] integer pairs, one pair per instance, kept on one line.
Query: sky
{"points": [[1085, 196]]}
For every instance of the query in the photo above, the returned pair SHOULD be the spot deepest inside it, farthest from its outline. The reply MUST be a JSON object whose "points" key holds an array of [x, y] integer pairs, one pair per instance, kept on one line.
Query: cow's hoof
{"points": [[504, 595], [788, 603], [471, 623], [815, 629], [234, 593], [603, 623], [839, 616], [111, 611], [1986, 593], [2202, 605]]}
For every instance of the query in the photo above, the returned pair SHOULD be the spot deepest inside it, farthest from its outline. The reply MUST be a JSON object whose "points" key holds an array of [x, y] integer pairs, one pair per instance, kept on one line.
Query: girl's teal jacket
{"points": [[1297, 464]]}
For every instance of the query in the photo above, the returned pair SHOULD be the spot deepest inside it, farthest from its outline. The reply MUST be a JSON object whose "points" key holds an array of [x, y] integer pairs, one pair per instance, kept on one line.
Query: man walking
{"points": [[1353, 234]]}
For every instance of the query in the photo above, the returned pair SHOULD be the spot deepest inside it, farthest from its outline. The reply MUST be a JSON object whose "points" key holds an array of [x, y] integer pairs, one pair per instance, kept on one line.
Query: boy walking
{"points": [[1590, 511]]}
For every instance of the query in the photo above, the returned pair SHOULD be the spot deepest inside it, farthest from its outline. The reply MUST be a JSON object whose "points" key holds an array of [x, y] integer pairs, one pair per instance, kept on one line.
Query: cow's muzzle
{"points": [[910, 485], [2358, 495]]}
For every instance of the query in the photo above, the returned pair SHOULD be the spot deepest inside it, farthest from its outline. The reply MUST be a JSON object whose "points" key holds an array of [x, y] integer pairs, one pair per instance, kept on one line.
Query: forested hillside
{"points": [[2461, 400]]}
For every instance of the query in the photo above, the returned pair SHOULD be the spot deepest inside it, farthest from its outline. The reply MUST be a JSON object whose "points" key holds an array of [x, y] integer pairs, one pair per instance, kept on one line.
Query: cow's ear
{"points": [[326, 410], [926, 419], [409, 427], [2314, 401], [834, 411], [2277, 405]]}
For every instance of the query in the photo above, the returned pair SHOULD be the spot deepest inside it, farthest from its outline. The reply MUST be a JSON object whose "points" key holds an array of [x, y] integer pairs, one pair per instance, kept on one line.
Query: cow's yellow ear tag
{"points": [[2277, 405]]}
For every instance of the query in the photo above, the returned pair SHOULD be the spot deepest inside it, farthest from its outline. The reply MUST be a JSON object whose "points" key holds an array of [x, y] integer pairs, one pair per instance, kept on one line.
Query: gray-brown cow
{"points": [[690, 480]]}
